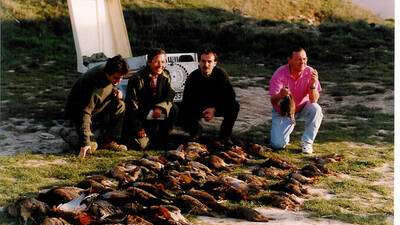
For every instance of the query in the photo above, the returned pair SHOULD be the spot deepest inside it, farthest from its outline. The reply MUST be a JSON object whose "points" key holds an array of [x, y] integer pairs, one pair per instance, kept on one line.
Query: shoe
{"points": [[93, 147], [307, 148], [114, 146], [227, 142]]}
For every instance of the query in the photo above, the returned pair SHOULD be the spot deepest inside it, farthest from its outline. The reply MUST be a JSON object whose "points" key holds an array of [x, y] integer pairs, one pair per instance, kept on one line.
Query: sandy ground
{"points": [[281, 217]]}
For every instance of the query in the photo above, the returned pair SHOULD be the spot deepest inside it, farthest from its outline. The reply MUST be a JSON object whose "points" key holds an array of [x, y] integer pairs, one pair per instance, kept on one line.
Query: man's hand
{"points": [[157, 112], [284, 92], [84, 150], [117, 93], [141, 133], [208, 114], [314, 79]]}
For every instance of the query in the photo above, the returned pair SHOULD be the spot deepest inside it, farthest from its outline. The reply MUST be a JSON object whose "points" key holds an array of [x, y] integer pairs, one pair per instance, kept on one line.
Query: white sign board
{"points": [[98, 27]]}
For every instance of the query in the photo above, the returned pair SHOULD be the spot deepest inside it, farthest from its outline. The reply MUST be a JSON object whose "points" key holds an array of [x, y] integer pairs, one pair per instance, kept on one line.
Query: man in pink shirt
{"points": [[301, 82]]}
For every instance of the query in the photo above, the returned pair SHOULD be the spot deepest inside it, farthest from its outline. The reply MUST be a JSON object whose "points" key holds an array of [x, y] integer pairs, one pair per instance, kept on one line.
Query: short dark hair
{"points": [[155, 52], [294, 49], [116, 64], [209, 51]]}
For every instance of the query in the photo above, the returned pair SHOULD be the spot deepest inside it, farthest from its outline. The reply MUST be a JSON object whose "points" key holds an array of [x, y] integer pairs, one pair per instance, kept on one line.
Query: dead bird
{"points": [[126, 174], [311, 170], [278, 163], [192, 205], [59, 195], [233, 188], [97, 183], [54, 221], [242, 212], [217, 163], [144, 197], [150, 164], [280, 200], [103, 209], [136, 220], [255, 183], [165, 214], [233, 157], [206, 199], [194, 151], [287, 107], [301, 178], [178, 155], [117, 197], [257, 150], [238, 150], [269, 172], [331, 158], [157, 189], [290, 186], [193, 165], [26, 208], [176, 218]]}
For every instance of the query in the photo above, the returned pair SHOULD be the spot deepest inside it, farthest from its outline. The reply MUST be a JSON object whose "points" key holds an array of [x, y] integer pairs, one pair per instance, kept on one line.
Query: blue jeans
{"points": [[282, 127]]}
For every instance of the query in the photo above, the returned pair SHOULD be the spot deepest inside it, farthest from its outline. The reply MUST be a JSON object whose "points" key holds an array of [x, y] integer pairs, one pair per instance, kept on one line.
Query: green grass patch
{"points": [[352, 187], [345, 210]]}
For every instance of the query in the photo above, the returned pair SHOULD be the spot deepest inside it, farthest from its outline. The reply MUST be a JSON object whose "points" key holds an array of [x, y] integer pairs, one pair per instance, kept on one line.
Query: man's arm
{"points": [[313, 93], [282, 93]]}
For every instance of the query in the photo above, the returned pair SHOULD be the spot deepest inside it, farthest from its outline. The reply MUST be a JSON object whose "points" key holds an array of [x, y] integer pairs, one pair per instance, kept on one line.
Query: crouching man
{"points": [[209, 93], [297, 80], [151, 112], [95, 104]]}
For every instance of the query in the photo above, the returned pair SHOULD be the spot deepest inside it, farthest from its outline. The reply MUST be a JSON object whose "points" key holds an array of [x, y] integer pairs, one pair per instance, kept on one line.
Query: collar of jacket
{"points": [[146, 73]]}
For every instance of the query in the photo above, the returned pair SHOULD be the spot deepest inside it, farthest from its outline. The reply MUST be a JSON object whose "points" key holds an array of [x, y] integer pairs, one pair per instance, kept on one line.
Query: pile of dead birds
{"points": [[191, 180]]}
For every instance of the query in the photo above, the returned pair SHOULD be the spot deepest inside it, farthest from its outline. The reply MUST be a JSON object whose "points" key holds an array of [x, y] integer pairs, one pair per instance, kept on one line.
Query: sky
{"points": [[383, 8]]}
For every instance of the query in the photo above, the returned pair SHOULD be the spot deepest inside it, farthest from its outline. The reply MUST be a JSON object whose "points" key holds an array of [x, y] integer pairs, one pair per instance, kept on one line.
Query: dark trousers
{"points": [[106, 125], [191, 118], [109, 120], [159, 130]]}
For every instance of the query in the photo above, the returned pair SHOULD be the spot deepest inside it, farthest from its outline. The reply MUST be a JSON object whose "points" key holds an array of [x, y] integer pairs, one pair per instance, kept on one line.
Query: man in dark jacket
{"points": [[149, 100], [209, 93], [94, 102]]}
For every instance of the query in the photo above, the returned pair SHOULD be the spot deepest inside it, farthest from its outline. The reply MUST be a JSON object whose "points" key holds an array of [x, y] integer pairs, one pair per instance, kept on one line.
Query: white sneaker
{"points": [[307, 148]]}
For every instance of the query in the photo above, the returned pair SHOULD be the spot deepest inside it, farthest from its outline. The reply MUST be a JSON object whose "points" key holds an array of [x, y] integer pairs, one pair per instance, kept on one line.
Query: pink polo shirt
{"points": [[299, 88]]}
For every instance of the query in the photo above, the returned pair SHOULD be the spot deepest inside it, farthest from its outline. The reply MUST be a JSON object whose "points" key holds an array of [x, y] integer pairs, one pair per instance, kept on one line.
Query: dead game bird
{"points": [[206, 199], [59, 195], [242, 212], [269, 172], [25, 209], [54, 221], [290, 186], [192, 205], [280, 200], [288, 107], [136, 220], [278, 163], [102, 209], [217, 163]]}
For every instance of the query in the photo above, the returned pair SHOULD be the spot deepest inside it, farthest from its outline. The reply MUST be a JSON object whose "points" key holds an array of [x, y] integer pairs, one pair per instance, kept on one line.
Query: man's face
{"points": [[298, 61], [207, 63], [157, 64], [115, 78]]}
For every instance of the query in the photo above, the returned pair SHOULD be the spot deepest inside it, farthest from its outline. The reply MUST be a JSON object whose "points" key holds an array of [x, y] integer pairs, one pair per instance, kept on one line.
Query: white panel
{"points": [[98, 26]]}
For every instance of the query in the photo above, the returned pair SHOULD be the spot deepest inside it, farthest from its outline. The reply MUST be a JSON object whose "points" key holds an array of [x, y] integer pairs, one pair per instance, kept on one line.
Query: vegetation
{"points": [[346, 44]]}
